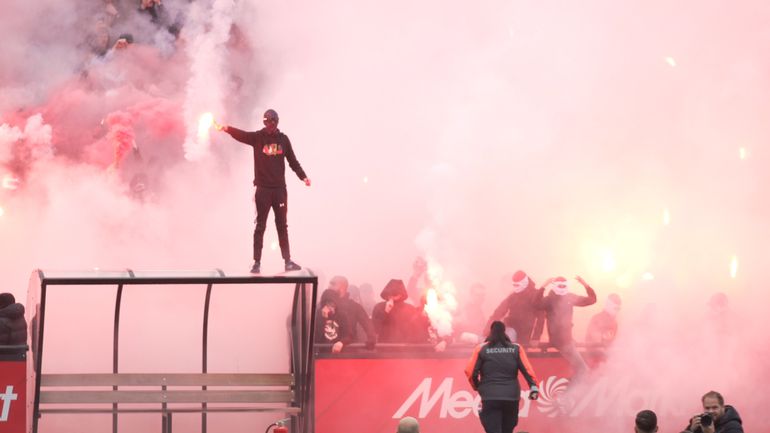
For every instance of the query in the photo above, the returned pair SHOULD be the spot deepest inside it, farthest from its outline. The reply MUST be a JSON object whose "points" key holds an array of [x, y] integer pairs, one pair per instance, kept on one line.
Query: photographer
{"points": [[716, 417]]}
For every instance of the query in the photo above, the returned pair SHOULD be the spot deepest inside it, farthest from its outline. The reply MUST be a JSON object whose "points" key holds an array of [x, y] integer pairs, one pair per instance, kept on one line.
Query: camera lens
{"points": [[706, 420]]}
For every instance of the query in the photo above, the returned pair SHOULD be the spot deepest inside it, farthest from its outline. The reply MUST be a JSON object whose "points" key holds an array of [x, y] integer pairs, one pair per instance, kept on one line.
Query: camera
{"points": [[706, 419]]}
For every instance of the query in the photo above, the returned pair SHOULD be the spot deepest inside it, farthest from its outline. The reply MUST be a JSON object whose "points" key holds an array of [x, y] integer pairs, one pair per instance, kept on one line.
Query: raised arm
{"points": [[584, 301]]}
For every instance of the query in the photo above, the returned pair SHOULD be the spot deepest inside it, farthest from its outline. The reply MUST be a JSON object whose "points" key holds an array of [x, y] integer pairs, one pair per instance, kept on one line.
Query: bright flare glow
{"points": [[647, 276], [608, 261], [205, 123], [366, 179], [671, 62], [2, 212], [440, 300], [274, 245], [666, 217], [10, 181], [734, 267], [742, 153]]}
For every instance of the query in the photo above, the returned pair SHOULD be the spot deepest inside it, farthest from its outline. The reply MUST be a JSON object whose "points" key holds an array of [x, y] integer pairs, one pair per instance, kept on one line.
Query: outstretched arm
{"points": [[238, 134]]}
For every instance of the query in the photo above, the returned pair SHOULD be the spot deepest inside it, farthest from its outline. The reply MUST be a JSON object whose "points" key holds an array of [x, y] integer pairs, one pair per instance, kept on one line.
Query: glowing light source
{"points": [[671, 62], [274, 245], [734, 267], [608, 261], [666, 217], [742, 153], [205, 122], [440, 301], [647, 276], [10, 181], [366, 179], [2, 212]]}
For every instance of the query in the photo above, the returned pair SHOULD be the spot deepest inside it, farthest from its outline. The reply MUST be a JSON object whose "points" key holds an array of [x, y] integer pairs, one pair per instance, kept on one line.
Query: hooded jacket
{"points": [[730, 422], [13, 327], [397, 325], [270, 150], [335, 327]]}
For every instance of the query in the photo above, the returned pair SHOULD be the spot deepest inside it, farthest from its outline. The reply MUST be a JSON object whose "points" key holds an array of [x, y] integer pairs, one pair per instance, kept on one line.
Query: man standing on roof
{"points": [[271, 148]]}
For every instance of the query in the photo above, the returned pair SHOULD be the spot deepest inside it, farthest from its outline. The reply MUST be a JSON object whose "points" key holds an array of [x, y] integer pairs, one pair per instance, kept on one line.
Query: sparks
{"points": [[734, 266]]}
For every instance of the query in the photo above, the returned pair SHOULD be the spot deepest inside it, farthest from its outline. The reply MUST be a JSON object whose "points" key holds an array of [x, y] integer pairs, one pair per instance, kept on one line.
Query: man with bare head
{"points": [[408, 425], [716, 417], [353, 311]]}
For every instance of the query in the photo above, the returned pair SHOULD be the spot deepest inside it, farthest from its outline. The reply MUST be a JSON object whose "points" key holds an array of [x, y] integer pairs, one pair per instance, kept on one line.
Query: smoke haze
{"points": [[623, 142]]}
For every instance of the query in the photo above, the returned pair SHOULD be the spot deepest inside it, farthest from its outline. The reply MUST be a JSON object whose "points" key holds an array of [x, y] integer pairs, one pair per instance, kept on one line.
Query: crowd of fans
{"points": [[346, 315]]}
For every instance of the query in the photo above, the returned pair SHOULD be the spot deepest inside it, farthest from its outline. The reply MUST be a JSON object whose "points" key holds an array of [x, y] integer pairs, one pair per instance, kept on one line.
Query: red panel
{"points": [[13, 403], [371, 395]]}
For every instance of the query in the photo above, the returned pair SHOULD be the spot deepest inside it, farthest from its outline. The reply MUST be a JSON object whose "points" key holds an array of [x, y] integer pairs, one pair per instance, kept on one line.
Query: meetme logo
{"points": [[456, 405], [7, 398]]}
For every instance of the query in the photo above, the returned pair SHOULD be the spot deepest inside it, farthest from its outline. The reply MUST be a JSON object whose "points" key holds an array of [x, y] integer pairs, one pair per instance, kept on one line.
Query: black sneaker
{"points": [[255, 269], [291, 266]]}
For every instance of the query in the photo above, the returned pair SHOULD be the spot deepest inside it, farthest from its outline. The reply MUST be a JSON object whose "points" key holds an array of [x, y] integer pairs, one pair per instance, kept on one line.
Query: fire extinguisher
{"points": [[278, 426]]}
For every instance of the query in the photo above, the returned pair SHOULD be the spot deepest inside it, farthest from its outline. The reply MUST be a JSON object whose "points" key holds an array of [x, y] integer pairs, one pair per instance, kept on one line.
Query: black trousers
{"points": [[499, 416], [275, 198]]}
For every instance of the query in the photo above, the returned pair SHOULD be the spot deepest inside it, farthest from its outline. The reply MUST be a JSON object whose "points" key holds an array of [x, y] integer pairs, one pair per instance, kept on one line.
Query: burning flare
{"points": [[734, 267], [440, 300], [205, 123]]}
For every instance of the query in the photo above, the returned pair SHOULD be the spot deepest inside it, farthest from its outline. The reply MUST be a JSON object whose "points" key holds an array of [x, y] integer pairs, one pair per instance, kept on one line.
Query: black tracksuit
{"points": [[493, 372], [270, 150]]}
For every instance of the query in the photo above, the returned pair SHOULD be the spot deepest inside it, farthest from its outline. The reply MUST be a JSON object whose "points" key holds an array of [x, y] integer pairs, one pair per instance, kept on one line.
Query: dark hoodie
{"points": [[397, 325], [336, 326], [518, 311], [559, 312], [13, 327], [270, 150], [730, 422]]}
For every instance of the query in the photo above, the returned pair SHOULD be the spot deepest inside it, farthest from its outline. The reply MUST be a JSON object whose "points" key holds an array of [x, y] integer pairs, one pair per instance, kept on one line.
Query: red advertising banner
{"points": [[371, 395], [13, 399]]}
